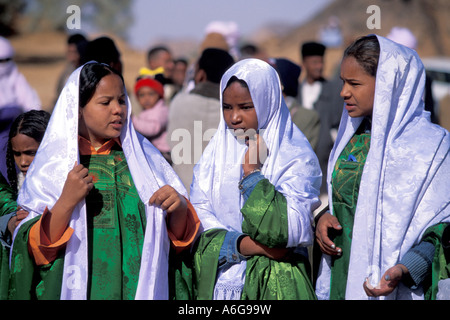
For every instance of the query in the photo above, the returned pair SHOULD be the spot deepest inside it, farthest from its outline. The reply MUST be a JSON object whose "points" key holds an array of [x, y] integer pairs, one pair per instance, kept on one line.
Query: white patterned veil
{"points": [[45, 179], [405, 185]]}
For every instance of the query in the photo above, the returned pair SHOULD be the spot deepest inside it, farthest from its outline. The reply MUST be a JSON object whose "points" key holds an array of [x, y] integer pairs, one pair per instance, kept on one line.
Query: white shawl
{"points": [[43, 185], [405, 185], [291, 166]]}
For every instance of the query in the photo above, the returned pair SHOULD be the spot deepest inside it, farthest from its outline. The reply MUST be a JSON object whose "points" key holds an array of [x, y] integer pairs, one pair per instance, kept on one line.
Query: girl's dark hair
{"points": [[32, 124], [366, 50], [236, 79], [90, 76]]}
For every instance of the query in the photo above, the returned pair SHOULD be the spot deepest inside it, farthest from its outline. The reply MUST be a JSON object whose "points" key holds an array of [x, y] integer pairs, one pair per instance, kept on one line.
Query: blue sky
{"points": [[188, 18]]}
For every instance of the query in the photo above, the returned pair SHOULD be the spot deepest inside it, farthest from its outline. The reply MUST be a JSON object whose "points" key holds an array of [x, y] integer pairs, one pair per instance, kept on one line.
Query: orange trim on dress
{"points": [[192, 227], [40, 246], [86, 147], [45, 252]]}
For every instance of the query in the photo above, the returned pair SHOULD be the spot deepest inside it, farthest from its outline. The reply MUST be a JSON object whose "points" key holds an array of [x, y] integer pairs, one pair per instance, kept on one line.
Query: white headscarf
{"points": [[291, 166], [56, 156], [14, 88], [405, 185]]}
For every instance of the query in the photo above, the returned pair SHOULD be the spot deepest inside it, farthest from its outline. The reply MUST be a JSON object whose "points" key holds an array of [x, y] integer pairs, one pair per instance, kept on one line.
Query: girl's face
{"points": [[238, 110], [24, 149], [358, 89], [104, 116], [147, 97]]}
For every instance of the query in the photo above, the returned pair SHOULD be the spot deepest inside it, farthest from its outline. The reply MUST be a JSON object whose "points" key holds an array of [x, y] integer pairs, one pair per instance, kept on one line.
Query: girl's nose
{"points": [[344, 92], [118, 108], [23, 161], [236, 117]]}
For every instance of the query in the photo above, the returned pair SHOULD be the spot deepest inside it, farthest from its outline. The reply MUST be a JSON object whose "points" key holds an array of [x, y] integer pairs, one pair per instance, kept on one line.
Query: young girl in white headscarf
{"points": [[254, 190], [388, 174], [104, 206]]}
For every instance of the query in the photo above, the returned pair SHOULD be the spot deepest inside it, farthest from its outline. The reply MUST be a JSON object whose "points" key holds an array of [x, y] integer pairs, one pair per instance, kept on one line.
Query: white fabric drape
{"points": [[291, 166], [405, 185], [45, 179]]}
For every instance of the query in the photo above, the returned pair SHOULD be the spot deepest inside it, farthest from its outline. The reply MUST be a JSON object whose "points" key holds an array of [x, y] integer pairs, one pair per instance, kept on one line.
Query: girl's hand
{"points": [[77, 186], [15, 220], [250, 247], [168, 199], [256, 154], [388, 282], [325, 223]]}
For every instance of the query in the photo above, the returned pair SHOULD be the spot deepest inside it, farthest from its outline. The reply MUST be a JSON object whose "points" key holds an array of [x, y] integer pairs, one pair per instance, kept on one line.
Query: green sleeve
{"points": [[28, 281], [7, 198], [440, 266], [180, 275], [206, 260], [265, 215], [8, 205]]}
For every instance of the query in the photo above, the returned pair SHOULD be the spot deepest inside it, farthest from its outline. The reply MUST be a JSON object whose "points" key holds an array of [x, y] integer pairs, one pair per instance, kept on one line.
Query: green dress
{"points": [[116, 225], [346, 179], [265, 220], [7, 205]]}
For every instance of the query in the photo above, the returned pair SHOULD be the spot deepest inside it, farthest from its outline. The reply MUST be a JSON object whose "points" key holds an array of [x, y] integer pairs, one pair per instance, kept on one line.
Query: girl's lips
{"points": [[349, 106], [239, 131], [118, 124]]}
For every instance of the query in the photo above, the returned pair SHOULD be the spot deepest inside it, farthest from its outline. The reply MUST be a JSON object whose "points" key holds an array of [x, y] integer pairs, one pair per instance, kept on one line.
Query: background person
{"points": [[195, 113]]}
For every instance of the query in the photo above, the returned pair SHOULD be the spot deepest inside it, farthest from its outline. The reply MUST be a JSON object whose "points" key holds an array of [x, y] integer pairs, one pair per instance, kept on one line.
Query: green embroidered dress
{"points": [[265, 220], [7, 205], [345, 182], [116, 226]]}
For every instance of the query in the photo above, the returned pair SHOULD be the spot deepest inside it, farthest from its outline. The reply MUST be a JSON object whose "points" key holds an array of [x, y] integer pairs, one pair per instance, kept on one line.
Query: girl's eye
{"points": [[225, 106]]}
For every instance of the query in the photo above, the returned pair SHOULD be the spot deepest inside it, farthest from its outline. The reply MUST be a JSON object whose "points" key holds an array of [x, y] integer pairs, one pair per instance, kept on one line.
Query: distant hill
{"points": [[429, 20]]}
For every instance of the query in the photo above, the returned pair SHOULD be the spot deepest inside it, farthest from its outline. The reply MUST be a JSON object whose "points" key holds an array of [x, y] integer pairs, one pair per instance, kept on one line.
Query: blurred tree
{"points": [[9, 10], [96, 15]]}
